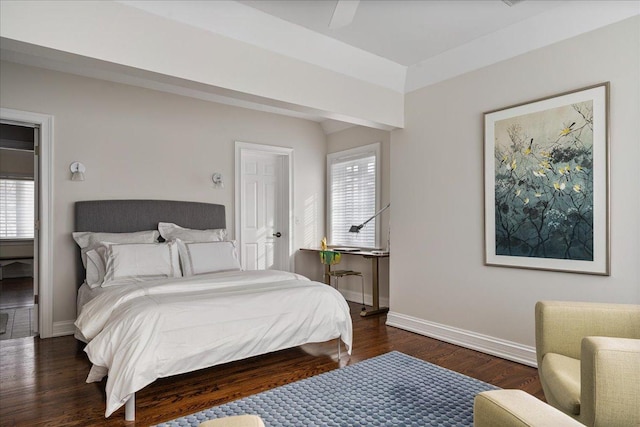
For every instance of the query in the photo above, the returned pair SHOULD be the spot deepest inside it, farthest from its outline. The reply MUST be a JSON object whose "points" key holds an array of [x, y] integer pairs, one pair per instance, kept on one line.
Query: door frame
{"points": [[243, 148], [43, 260]]}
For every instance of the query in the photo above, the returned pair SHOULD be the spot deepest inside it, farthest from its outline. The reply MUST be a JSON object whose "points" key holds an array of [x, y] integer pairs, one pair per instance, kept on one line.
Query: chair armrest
{"points": [[610, 381], [235, 421], [561, 325], [516, 408]]}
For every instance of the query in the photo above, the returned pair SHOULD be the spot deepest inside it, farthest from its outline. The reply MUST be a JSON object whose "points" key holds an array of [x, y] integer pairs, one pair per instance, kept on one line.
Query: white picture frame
{"points": [[546, 183]]}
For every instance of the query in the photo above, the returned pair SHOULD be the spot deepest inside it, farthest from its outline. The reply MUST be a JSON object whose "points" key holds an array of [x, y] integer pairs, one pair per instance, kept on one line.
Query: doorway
{"points": [[19, 171], [263, 206]]}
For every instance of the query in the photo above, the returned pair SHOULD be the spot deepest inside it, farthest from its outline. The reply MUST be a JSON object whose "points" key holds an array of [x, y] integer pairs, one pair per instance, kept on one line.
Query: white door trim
{"points": [[287, 153], [45, 257]]}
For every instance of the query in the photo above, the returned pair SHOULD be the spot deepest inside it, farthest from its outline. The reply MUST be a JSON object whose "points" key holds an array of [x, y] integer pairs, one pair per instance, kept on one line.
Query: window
{"points": [[352, 185], [16, 209]]}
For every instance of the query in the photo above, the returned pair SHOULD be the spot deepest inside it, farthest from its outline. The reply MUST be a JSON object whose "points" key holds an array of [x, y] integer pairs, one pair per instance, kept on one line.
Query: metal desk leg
{"points": [[376, 291], [327, 277]]}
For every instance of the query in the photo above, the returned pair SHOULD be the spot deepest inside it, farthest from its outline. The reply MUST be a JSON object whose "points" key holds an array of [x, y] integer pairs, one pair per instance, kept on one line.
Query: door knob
{"points": [[278, 234]]}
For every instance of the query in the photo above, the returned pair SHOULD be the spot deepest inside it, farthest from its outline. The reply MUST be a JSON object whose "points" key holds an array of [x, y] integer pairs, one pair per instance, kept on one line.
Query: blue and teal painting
{"points": [[544, 184]]}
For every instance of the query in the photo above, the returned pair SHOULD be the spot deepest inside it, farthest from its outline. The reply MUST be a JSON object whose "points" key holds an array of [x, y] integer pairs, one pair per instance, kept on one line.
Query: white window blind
{"points": [[353, 182], [16, 209]]}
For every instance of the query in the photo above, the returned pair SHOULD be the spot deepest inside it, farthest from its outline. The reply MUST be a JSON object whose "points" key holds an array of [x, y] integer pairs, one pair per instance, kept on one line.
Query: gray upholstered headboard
{"points": [[125, 216]]}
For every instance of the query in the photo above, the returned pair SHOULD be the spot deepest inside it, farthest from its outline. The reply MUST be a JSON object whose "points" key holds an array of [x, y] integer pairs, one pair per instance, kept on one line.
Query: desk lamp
{"points": [[357, 228]]}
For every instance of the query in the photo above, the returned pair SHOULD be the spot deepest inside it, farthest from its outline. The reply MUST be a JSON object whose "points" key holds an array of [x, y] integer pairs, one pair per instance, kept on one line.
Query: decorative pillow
{"points": [[96, 268], [88, 240], [207, 257], [170, 231], [135, 262]]}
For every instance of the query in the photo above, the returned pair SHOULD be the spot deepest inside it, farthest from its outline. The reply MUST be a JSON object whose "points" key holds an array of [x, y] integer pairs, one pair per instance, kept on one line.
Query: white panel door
{"points": [[264, 234]]}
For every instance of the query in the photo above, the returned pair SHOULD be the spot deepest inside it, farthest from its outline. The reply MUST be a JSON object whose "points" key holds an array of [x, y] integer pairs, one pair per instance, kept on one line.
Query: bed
{"points": [[149, 327]]}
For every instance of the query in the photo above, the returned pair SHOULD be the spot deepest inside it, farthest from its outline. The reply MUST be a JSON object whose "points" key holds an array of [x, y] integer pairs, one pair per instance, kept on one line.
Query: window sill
{"points": [[16, 242]]}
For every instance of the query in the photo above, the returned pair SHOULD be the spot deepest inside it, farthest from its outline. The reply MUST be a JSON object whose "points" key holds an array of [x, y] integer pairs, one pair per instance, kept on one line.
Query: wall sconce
{"points": [[218, 182], [77, 171]]}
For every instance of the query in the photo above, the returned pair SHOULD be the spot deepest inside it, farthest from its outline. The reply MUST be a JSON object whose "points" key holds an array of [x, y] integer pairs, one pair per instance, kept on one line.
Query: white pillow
{"points": [[170, 231], [88, 240], [207, 257], [96, 268], [135, 262]]}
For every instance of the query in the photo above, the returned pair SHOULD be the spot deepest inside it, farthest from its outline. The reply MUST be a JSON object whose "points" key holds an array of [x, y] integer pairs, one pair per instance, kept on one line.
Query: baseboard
{"points": [[355, 296], [63, 328], [468, 339], [497, 347]]}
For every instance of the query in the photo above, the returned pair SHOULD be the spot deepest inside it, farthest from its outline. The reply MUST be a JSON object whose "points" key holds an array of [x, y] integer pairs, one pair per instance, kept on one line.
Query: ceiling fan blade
{"points": [[343, 13]]}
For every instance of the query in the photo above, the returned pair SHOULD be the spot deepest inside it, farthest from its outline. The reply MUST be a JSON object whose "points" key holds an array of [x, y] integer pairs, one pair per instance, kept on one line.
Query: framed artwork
{"points": [[546, 183]]}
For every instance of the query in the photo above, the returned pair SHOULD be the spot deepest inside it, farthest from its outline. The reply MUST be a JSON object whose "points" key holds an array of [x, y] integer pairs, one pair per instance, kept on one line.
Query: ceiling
{"points": [[406, 32], [402, 45]]}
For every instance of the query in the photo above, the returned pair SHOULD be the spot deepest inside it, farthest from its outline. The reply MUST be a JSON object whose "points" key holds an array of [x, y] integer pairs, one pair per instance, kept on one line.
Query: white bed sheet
{"points": [[85, 294], [144, 331]]}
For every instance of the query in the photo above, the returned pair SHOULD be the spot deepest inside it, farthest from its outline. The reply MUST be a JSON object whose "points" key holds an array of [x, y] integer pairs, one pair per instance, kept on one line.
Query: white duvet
{"points": [[148, 330]]}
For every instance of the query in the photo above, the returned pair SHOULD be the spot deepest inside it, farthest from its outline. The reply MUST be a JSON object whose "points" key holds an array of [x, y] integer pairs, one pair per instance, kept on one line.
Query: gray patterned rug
{"points": [[389, 390]]}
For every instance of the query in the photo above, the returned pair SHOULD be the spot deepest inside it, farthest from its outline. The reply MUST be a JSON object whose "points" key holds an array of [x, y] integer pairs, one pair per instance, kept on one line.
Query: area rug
{"points": [[389, 390], [4, 318]]}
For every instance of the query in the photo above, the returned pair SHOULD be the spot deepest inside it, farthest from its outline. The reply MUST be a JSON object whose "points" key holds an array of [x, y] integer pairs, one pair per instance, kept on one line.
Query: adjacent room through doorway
{"points": [[18, 216]]}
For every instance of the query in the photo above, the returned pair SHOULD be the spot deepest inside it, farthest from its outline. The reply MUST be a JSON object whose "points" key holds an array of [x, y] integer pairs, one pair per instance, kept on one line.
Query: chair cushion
{"points": [[562, 375]]}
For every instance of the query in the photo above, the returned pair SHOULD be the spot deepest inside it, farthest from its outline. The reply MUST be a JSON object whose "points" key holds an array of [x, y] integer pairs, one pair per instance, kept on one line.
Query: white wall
{"points": [[439, 285], [309, 263], [138, 143], [16, 162], [111, 36]]}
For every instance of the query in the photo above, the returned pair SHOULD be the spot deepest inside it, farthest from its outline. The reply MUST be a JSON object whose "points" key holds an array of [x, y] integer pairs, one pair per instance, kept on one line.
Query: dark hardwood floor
{"points": [[42, 382], [16, 292], [16, 301]]}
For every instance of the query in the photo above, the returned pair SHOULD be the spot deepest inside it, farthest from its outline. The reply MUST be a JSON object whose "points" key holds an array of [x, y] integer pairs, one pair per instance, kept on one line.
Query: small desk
{"points": [[374, 257]]}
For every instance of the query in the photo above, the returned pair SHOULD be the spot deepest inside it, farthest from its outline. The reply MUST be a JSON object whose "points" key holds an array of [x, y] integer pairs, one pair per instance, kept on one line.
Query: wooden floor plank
{"points": [[42, 382]]}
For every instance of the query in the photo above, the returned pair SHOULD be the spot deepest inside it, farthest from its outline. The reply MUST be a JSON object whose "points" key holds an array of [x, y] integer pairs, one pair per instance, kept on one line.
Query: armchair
{"points": [[235, 421], [589, 360], [516, 408]]}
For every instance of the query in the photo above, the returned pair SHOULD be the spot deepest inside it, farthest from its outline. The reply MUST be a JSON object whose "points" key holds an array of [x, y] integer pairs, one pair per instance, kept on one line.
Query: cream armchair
{"points": [[516, 408], [589, 360], [235, 421]]}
